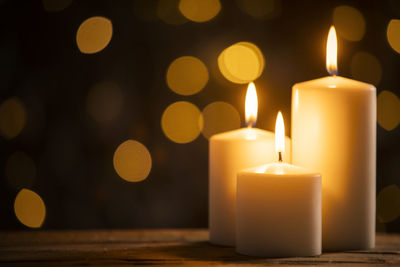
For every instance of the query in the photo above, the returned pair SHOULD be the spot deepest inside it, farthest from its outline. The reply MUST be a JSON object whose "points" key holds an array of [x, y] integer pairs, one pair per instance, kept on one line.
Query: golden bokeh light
{"points": [[105, 101], [182, 122], [199, 11], [168, 11], [132, 161], [388, 110], [20, 170], [219, 117], [187, 75], [393, 34], [94, 34], [349, 23], [55, 5], [366, 67], [29, 208], [12, 117], [260, 9], [388, 204], [242, 62]]}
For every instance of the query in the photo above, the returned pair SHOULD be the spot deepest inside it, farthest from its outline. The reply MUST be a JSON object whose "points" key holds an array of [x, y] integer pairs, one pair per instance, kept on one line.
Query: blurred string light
{"points": [[55, 5], [168, 11], [182, 122], [349, 23], [388, 204], [199, 11], [20, 170], [219, 117], [132, 161], [388, 110], [12, 117], [393, 34], [187, 75], [241, 63], [29, 208], [260, 9], [94, 34], [366, 67], [105, 101]]}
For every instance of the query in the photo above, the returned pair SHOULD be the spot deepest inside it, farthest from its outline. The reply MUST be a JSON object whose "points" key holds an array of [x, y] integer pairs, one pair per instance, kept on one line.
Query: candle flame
{"points": [[331, 52], [279, 134], [251, 105]]}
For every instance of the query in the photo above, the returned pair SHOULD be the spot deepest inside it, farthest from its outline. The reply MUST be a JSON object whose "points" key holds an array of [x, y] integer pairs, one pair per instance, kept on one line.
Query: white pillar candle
{"points": [[278, 211], [231, 152], [334, 132]]}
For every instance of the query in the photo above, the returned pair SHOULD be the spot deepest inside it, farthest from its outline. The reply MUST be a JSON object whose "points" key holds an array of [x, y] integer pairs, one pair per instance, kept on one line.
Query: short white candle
{"points": [[231, 152], [334, 132], [278, 210]]}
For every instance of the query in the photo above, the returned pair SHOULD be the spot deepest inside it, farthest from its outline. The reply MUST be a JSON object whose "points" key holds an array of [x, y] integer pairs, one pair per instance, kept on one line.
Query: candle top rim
{"points": [[240, 134], [335, 82], [279, 169]]}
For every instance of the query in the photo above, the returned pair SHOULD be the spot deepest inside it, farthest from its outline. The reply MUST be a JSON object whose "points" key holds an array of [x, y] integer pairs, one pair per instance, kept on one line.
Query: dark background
{"points": [[41, 64]]}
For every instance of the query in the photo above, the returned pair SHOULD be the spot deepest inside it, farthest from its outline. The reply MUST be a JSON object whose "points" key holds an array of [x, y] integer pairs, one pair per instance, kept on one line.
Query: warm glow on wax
{"points": [[334, 121], [251, 105], [331, 52], [279, 134]]}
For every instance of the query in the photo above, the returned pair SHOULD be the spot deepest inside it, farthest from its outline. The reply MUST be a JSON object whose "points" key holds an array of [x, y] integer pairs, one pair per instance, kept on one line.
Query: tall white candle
{"points": [[231, 152], [334, 132], [278, 209]]}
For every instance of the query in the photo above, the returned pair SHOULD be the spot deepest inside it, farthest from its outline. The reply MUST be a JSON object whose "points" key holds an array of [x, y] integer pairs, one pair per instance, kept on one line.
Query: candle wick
{"points": [[333, 73], [280, 159], [250, 124]]}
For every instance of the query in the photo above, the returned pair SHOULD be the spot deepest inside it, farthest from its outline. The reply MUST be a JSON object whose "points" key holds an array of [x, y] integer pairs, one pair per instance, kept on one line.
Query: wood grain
{"points": [[162, 248]]}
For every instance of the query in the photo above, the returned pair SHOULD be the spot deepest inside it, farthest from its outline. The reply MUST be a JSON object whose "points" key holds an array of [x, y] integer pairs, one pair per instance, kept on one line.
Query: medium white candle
{"points": [[278, 209], [231, 152], [334, 132]]}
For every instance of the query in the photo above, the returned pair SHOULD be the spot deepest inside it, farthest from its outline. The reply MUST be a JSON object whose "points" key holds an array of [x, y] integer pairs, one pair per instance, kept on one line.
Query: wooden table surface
{"points": [[162, 248]]}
